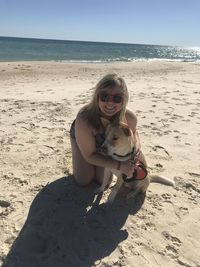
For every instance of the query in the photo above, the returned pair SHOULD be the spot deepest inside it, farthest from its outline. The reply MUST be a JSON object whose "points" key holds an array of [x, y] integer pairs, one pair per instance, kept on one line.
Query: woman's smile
{"points": [[108, 107], [110, 110]]}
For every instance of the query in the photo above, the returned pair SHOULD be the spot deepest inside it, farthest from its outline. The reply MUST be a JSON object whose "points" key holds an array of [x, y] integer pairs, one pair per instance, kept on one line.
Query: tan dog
{"points": [[121, 144]]}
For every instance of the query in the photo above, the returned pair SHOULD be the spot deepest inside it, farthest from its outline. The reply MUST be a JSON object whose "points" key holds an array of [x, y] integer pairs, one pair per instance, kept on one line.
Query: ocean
{"points": [[28, 49]]}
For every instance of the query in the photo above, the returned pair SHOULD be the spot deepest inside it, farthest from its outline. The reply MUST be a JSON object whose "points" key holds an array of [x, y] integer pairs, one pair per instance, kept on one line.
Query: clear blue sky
{"points": [[170, 22]]}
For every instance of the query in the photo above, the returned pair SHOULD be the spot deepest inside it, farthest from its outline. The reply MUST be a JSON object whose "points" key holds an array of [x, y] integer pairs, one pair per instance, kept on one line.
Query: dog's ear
{"points": [[105, 122], [127, 131], [123, 124]]}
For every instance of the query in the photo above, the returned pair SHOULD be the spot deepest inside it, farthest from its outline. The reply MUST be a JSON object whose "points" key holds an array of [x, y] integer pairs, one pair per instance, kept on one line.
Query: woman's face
{"points": [[108, 102]]}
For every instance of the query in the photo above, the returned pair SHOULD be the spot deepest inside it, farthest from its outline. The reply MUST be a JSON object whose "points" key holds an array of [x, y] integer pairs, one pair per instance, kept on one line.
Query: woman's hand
{"points": [[127, 167]]}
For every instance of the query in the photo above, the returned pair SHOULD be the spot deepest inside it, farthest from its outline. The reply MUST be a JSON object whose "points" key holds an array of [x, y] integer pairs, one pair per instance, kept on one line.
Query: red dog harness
{"points": [[139, 173]]}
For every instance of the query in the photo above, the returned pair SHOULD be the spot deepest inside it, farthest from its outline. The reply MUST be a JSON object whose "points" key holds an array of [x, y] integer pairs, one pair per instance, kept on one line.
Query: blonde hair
{"points": [[92, 113]]}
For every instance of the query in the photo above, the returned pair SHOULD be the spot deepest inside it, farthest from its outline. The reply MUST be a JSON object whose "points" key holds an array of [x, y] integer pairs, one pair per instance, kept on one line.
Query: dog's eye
{"points": [[115, 138]]}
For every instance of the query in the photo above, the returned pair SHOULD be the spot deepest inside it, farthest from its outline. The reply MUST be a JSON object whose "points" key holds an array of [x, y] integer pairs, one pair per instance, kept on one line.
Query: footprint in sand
{"points": [[173, 239], [181, 211], [193, 114], [193, 191], [4, 204], [166, 197], [187, 144], [158, 149], [5, 208], [174, 245], [190, 188], [155, 200]]}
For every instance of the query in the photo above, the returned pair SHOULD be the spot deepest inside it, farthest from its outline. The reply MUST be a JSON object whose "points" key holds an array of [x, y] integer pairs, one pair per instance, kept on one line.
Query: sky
{"points": [[161, 22]]}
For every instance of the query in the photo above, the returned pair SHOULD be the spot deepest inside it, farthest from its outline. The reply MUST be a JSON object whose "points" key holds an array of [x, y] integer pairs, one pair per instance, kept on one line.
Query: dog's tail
{"points": [[161, 180]]}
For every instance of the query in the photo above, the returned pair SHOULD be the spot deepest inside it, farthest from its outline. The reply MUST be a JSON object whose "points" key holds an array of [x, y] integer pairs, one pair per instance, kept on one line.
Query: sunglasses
{"points": [[111, 98]]}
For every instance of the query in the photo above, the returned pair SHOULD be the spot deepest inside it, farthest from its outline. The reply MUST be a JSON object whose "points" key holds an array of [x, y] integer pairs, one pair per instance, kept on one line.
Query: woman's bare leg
{"points": [[83, 172]]}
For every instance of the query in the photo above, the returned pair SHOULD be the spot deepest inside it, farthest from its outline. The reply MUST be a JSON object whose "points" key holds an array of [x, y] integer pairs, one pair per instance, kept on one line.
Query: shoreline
{"points": [[39, 100], [107, 61]]}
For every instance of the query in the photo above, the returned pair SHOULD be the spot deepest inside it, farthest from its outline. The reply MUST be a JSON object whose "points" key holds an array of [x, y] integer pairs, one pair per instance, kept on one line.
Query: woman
{"points": [[109, 101]]}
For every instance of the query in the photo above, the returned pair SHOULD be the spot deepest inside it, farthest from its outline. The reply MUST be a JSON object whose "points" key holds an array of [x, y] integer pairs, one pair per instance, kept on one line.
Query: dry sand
{"points": [[46, 220]]}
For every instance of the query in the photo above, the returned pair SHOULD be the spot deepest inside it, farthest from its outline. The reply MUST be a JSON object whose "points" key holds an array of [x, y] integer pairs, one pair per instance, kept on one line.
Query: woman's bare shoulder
{"points": [[130, 116], [81, 121], [82, 124], [131, 119]]}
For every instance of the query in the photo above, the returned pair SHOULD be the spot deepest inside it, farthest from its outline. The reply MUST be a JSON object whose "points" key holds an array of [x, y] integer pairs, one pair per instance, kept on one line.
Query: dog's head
{"points": [[119, 139]]}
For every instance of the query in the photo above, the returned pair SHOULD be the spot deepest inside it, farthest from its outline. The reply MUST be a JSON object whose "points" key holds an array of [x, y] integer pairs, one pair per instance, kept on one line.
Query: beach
{"points": [[46, 219]]}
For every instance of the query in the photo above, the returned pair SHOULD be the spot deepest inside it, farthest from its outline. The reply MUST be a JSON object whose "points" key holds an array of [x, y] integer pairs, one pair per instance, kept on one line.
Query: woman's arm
{"points": [[86, 142]]}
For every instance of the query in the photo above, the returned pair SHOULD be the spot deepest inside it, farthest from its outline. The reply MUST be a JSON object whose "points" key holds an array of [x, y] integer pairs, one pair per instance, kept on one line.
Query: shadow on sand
{"points": [[67, 227]]}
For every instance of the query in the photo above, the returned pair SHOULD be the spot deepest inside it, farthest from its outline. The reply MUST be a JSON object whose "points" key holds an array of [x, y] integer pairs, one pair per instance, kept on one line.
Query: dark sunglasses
{"points": [[111, 98]]}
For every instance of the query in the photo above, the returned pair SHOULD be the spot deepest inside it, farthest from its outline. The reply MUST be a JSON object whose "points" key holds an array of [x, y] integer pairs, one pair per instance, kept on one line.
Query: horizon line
{"points": [[106, 42]]}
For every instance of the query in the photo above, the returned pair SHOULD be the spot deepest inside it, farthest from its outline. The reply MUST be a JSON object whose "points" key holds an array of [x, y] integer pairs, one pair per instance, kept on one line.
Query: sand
{"points": [[46, 219]]}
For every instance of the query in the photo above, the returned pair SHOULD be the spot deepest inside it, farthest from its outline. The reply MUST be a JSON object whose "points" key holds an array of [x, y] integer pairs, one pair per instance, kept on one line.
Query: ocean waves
{"points": [[27, 49]]}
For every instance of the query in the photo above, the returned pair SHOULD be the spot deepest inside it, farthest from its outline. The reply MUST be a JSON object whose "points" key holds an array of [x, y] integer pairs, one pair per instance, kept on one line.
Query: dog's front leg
{"points": [[106, 178], [115, 190]]}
